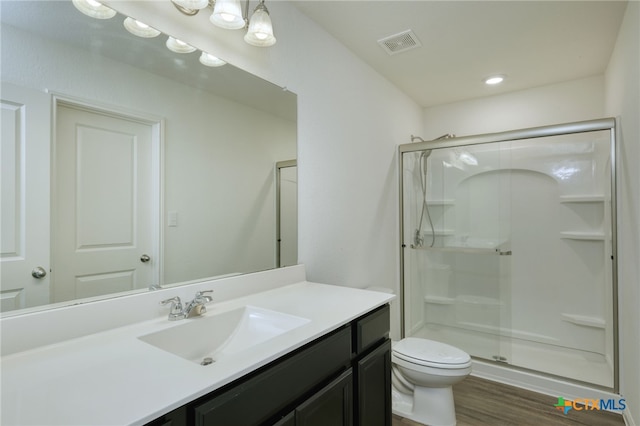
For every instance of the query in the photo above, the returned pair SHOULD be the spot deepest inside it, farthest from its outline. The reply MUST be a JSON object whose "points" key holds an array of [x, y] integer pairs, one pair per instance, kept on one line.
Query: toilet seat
{"points": [[430, 353]]}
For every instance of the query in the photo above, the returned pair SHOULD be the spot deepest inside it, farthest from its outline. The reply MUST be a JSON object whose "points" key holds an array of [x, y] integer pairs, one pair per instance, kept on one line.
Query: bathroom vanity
{"points": [[289, 352], [342, 378]]}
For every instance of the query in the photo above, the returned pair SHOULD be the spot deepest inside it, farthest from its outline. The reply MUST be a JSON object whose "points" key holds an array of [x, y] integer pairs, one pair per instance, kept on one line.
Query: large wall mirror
{"points": [[126, 165]]}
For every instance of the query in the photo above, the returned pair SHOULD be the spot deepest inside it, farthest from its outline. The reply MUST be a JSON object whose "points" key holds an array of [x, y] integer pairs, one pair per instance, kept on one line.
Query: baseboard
{"points": [[541, 384], [628, 418]]}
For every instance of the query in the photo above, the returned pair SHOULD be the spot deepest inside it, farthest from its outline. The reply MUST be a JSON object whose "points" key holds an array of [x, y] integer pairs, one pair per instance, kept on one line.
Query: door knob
{"points": [[145, 258], [38, 272]]}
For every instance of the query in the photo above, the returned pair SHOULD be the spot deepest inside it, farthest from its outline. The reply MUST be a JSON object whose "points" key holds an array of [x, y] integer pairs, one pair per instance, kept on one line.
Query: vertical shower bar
{"points": [[614, 256]]}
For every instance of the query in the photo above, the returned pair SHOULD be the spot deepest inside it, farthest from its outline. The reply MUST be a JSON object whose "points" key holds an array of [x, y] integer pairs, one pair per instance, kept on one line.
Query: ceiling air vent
{"points": [[400, 42]]}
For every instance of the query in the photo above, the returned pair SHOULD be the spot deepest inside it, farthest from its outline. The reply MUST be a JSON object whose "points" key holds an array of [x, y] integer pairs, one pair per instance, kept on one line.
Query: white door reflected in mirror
{"points": [[25, 197], [103, 200]]}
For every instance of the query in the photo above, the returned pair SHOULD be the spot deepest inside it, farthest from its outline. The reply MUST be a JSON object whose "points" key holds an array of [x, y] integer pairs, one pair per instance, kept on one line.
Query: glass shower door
{"points": [[508, 249], [456, 247]]}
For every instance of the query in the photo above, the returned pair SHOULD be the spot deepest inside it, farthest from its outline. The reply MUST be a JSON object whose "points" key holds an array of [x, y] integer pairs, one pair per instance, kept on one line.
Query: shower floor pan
{"points": [[582, 366]]}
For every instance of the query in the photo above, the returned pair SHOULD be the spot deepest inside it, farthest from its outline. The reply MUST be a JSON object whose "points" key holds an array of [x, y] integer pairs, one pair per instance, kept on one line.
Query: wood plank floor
{"points": [[481, 402]]}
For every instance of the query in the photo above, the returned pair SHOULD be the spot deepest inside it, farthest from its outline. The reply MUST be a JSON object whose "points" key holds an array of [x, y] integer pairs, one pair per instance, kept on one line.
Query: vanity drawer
{"points": [[277, 386], [371, 329]]}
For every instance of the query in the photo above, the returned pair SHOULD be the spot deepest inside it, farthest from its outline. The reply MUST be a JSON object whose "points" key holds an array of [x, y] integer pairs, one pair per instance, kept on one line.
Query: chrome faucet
{"points": [[193, 309], [197, 306]]}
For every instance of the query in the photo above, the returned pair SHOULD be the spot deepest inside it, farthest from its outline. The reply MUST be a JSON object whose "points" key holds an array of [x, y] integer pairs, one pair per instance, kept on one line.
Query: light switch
{"points": [[173, 218]]}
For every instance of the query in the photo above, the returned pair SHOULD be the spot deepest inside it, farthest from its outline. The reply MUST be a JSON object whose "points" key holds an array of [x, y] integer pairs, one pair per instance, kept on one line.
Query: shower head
{"points": [[417, 138]]}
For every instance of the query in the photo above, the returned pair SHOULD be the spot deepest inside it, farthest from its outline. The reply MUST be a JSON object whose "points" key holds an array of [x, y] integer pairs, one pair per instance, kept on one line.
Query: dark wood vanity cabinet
{"points": [[340, 379], [371, 362], [332, 405]]}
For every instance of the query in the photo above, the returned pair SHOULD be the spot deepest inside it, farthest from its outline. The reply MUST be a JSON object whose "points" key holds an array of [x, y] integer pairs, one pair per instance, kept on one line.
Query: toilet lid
{"points": [[423, 351]]}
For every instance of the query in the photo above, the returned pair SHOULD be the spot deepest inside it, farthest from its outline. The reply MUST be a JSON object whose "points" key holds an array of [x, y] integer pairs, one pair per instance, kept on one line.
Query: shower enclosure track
{"points": [[469, 250]]}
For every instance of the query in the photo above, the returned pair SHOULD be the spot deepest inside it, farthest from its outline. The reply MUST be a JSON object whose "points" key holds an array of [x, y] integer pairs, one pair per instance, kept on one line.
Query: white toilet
{"points": [[423, 373]]}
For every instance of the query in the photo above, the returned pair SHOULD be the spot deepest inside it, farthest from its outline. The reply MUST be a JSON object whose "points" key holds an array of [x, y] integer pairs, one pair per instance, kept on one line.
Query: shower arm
{"points": [[445, 136]]}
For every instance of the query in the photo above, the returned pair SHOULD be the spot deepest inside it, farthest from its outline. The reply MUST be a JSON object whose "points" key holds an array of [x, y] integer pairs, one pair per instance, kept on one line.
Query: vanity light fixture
{"points": [[210, 60], [179, 46], [97, 10], [192, 4], [228, 14], [260, 32], [494, 79], [140, 29], [94, 9]]}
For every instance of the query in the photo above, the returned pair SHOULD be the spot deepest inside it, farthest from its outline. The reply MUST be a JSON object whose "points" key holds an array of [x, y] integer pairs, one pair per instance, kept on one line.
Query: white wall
{"points": [[575, 100], [224, 193], [622, 83]]}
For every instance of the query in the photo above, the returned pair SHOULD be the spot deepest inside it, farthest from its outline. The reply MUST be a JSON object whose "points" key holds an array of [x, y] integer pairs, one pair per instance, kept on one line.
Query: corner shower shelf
{"points": [[582, 198], [586, 236], [584, 320]]}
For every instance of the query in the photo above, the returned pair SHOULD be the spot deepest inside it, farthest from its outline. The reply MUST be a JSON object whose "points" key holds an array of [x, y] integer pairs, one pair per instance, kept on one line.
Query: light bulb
{"points": [[179, 46], [211, 60], [94, 9], [140, 29]]}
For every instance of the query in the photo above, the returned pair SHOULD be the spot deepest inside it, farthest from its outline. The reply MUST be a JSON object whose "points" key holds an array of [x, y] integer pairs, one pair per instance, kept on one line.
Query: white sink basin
{"points": [[214, 337]]}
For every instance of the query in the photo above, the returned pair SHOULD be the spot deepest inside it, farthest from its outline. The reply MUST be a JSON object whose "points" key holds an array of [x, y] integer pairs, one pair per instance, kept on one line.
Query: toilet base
{"points": [[430, 406]]}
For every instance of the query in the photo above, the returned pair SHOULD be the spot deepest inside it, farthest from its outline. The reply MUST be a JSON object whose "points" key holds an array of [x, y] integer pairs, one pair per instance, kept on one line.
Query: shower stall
{"points": [[508, 248]]}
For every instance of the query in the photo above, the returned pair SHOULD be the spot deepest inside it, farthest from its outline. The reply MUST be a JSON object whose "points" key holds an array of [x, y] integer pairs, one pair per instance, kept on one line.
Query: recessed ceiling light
{"points": [[494, 79]]}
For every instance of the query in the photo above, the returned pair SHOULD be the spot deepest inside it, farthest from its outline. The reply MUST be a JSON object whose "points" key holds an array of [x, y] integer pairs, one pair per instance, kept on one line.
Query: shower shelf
{"points": [[440, 232], [582, 198], [441, 202], [440, 300], [588, 236], [583, 320]]}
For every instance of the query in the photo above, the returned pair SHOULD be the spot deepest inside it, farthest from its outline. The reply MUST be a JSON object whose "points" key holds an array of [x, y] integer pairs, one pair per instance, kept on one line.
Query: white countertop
{"points": [[113, 378]]}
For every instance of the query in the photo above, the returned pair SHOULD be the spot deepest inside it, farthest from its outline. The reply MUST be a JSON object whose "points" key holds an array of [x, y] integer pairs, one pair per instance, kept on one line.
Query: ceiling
{"points": [[533, 43]]}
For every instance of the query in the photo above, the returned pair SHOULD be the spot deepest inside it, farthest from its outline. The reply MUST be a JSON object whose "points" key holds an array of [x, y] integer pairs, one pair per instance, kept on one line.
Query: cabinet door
{"points": [[260, 398], [373, 393], [177, 417], [371, 329], [333, 405]]}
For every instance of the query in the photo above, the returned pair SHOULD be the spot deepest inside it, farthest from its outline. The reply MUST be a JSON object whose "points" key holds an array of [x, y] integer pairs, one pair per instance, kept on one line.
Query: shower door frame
{"points": [[513, 135]]}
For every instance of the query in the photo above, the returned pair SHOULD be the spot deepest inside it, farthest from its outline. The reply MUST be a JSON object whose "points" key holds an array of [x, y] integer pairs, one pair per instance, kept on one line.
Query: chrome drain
{"points": [[207, 361]]}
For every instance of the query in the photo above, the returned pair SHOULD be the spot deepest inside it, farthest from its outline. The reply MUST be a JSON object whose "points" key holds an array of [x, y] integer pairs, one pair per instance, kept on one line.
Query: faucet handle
{"points": [[176, 312], [200, 295]]}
